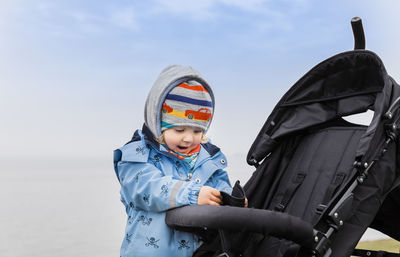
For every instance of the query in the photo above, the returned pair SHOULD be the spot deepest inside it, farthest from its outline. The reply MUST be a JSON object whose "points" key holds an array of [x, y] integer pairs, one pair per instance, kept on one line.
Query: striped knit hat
{"points": [[187, 104]]}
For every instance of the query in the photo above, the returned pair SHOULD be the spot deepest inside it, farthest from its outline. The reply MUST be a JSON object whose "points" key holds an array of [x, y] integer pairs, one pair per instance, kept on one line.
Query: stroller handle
{"points": [[240, 220], [358, 33]]}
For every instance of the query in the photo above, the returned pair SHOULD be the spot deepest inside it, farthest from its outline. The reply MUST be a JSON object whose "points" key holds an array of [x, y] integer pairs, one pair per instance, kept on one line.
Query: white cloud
{"points": [[124, 18], [206, 8], [77, 20], [79, 16], [45, 9], [265, 14], [121, 17], [198, 10], [248, 5]]}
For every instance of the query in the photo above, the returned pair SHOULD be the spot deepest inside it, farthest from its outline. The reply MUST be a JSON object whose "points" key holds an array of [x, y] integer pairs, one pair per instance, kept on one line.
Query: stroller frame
{"points": [[334, 217], [313, 240]]}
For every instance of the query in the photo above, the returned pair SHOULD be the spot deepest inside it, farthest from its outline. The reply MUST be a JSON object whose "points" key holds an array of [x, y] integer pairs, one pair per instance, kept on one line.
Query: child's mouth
{"points": [[182, 147]]}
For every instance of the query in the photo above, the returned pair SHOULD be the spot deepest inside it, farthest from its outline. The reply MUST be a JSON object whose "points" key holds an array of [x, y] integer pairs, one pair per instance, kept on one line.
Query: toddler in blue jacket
{"points": [[169, 163]]}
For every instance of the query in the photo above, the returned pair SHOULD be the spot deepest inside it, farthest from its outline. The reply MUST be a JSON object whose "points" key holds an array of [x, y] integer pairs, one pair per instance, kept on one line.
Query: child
{"points": [[169, 164]]}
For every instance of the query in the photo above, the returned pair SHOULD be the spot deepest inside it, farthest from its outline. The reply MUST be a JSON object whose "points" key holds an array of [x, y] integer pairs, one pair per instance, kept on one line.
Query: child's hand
{"points": [[209, 195]]}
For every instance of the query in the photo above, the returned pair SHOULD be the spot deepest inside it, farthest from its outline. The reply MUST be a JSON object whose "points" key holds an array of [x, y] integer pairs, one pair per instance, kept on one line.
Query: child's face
{"points": [[183, 139]]}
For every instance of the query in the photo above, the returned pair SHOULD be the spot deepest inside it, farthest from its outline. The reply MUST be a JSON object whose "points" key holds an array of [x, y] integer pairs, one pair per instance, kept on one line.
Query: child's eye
{"points": [[198, 131], [179, 130]]}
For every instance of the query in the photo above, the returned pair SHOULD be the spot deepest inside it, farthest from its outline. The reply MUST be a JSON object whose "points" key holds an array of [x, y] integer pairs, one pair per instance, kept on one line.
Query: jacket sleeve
{"points": [[145, 187], [221, 181]]}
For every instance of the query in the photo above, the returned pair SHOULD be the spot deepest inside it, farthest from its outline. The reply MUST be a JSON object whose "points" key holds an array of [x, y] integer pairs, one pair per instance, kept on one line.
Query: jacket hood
{"points": [[170, 77]]}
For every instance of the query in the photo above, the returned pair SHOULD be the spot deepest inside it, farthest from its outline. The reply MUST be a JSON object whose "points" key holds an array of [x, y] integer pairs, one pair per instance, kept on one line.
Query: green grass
{"points": [[388, 245]]}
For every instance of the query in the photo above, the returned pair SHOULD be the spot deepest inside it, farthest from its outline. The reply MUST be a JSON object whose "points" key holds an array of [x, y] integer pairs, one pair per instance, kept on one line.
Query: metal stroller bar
{"points": [[393, 108]]}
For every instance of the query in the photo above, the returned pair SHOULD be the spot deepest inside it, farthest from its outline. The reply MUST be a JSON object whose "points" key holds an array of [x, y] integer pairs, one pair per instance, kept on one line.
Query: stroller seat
{"points": [[316, 164], [321, 162]]}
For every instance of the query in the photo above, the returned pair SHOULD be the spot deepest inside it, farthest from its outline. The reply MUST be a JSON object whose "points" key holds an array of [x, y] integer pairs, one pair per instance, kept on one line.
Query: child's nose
{"points": [[188, 137]]}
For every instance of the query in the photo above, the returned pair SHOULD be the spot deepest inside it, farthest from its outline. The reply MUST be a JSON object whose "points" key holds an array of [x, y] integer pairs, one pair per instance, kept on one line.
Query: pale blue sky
{"points": [[74, 75]]}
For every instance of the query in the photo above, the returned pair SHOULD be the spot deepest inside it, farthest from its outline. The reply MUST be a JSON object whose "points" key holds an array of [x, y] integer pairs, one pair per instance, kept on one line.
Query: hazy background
{"points": [[74, 76]]}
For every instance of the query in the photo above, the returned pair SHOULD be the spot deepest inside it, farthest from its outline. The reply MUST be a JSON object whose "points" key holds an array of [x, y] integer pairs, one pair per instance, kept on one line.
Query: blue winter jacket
{"points": [[153, 181]]}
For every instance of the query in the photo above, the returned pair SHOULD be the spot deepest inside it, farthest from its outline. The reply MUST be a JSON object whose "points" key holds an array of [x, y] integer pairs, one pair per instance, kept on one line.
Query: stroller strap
{"points": [[295, 183]]}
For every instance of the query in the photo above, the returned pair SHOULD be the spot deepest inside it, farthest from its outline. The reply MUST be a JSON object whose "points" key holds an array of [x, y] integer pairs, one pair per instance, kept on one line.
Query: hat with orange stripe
{"points": [[187, 104]]}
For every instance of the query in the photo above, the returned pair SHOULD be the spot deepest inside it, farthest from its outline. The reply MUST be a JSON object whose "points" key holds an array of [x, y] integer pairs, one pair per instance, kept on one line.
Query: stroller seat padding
{"points": [[320, 163]]}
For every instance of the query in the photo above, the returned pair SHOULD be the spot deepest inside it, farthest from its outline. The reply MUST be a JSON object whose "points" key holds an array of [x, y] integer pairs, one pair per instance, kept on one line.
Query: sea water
{"points": [[60, 208]]}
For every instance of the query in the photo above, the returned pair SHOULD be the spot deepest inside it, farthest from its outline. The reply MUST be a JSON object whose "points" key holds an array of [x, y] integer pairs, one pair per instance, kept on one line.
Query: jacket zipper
{"points": [[190, 174]]}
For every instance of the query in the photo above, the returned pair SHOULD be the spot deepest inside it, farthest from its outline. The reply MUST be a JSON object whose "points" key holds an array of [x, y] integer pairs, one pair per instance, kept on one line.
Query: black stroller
{"points": [[320, 181]]}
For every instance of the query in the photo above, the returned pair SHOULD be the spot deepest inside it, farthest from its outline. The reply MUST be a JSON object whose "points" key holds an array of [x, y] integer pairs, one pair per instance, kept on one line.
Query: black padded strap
{"points": [[293, 186], [337, 181]]}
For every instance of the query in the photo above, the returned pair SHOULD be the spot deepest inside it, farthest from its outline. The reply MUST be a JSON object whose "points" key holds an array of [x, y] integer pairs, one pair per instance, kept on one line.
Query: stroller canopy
{"points": [[348, 83]]}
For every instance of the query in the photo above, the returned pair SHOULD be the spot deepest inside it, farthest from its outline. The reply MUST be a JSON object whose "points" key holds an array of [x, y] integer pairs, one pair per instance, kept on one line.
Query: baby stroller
{"points": [[320, 181]]}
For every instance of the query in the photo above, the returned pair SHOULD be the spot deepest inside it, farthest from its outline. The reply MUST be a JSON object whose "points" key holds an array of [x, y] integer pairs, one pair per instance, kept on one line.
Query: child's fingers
{"points": [[215, 199], [216, 193], [213, 203], [209, 195], [215, 196]]}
